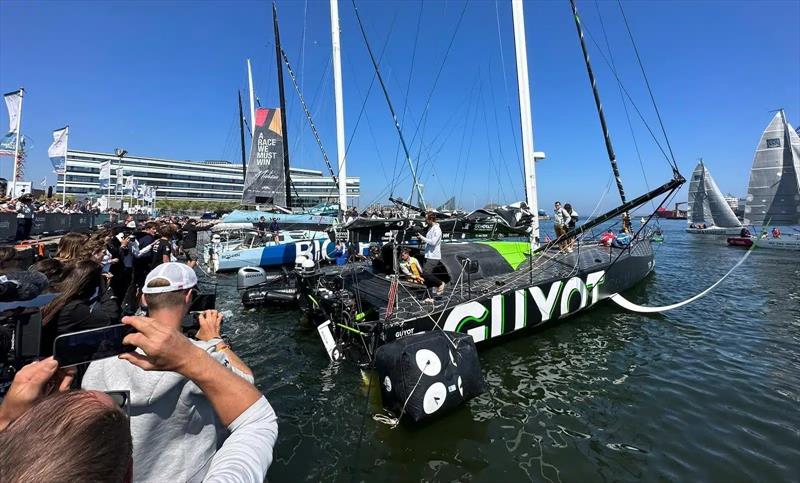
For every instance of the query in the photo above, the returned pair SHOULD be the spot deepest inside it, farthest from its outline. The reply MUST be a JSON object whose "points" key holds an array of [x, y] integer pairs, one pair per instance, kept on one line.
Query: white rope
{"points": [[627, 304], [391, 420]]}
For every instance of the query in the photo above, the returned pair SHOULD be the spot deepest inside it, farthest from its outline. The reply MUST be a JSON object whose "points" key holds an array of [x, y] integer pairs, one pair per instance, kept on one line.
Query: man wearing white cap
{"points": [[174, 428]]}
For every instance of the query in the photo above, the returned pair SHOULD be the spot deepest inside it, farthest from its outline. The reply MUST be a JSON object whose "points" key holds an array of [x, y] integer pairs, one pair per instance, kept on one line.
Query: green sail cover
{"points": [[513, 252]]}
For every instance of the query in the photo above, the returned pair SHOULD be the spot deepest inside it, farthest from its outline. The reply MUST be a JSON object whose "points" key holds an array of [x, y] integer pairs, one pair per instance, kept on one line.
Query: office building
{"points": [[212, 180]]}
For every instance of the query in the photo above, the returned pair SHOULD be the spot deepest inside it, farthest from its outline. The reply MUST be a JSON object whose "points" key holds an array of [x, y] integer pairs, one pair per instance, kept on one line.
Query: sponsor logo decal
{"points": [[487, 319]]}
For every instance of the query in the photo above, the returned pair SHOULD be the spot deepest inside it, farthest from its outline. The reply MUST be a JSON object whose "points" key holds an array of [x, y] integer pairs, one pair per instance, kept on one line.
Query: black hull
{"points": [[522, 306], [484, 301]]}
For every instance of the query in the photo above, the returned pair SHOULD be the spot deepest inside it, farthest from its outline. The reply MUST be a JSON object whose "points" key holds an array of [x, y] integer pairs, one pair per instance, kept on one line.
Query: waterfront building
{"points": [[212, 180]]}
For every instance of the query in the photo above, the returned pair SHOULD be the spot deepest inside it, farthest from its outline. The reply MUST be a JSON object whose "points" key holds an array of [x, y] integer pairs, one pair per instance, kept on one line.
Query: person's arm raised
{"points": [[169, 350], [210, 325]]}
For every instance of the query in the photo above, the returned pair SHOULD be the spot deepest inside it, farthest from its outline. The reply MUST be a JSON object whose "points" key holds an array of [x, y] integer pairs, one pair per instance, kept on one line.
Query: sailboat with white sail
{"points": [[709, 213], [773, 194]]}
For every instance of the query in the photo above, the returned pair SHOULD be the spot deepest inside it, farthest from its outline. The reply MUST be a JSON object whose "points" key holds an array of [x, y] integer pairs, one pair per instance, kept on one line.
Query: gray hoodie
{"points": [[174, 429]]}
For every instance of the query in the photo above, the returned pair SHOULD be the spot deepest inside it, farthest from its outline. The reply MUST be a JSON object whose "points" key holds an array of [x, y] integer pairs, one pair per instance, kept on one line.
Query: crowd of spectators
{"points": [[189, 409]]}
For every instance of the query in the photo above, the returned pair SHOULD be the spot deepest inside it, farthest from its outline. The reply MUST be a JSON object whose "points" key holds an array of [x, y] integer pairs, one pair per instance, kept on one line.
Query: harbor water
{"points": [[707, 392]]}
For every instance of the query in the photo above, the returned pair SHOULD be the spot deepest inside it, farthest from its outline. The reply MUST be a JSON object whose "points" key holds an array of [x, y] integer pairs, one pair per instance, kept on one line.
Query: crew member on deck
{"points": [[410, 267], [434, 270], [276, 230]]}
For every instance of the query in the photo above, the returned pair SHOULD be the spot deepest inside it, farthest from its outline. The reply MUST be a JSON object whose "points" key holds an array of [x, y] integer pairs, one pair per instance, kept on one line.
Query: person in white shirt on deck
{"points": [[561, 221], [434, 270]]}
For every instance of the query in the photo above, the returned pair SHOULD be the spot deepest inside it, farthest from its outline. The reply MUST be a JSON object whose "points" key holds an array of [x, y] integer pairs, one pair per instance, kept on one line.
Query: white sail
{"points": [[773, 195], [706, 203]]}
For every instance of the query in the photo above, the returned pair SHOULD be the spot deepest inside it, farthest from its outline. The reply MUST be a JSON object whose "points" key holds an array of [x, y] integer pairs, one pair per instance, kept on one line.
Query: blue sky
{"points": [[160, 79]]}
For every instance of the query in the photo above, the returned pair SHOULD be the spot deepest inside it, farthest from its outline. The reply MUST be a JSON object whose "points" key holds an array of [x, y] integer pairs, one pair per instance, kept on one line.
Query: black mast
{"points": [[626, 219], [288, 180], [241, 133]]}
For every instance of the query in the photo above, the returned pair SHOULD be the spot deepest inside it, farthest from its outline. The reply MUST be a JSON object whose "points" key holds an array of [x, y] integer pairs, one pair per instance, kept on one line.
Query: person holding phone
{"points": [[84, 302], [175, 431], [85, 435]]}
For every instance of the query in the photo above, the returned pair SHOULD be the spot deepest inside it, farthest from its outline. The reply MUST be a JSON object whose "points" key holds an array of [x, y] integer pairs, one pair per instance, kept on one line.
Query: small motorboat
{"points": [[740, 241]]}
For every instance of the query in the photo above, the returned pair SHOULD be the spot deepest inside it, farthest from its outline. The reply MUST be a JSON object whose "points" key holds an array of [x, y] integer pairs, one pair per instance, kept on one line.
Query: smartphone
{"points": [[91, 345]]}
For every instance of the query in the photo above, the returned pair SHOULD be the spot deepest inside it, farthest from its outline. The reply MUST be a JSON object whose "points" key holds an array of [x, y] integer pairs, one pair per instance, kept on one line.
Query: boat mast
{"points": [[287, 180], [337, 89], [526, 120], [252, 99], [626, 219], [241, 134]]}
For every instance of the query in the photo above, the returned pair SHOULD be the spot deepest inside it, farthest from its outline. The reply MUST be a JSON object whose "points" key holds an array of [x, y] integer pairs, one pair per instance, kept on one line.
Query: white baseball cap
{"points": [[179, 275]]}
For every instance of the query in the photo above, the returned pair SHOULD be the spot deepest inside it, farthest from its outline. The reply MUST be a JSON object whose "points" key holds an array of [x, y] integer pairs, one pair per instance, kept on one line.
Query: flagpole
{"points": [[16, 145], [64, 176]]}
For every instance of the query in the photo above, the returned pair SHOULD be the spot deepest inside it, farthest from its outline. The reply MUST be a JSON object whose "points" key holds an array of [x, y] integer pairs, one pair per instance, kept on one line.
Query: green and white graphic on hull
{"points": [[553, 301]]}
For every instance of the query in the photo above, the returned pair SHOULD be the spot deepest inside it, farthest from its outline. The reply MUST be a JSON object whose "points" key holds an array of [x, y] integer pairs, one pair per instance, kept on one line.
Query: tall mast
{"points": [[626, 219], [16, 145], [241, 134], [252, 99], [526, 120], [288, 180], [337, 90]]}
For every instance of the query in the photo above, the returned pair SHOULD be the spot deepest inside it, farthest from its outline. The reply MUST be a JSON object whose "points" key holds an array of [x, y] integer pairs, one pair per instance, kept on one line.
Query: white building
{"points": [[195, 181]]}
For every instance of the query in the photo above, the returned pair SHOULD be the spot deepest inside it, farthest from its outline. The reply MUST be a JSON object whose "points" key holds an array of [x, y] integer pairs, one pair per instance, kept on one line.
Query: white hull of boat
{"points": [[715, 230], [785, 242]]}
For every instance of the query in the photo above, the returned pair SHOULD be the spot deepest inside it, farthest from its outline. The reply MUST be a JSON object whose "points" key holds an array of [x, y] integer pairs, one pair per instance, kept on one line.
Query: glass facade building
{"points": [[214, 180]]}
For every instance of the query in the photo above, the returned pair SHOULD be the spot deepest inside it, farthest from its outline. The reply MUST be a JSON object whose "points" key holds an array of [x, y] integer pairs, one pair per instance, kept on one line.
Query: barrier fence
{"points": [[46, 224]]}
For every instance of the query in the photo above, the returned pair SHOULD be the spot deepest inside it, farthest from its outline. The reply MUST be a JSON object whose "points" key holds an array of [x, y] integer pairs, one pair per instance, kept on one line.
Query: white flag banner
{"points": [[14, 105], [58, 150], [105, 174]]}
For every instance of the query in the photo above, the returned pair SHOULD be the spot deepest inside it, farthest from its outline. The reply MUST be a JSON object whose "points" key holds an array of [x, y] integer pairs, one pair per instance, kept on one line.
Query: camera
{"points": [[200, 302], [20, 337]]}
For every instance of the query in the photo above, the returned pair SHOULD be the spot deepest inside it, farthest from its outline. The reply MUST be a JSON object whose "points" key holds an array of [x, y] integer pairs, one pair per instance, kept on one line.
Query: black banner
{"points": [[265, 181], [45, 224]]}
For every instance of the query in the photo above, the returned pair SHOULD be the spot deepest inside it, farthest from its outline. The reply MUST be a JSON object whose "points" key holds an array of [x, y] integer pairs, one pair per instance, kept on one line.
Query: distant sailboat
{"points": [[709, 213], [773, 195]]}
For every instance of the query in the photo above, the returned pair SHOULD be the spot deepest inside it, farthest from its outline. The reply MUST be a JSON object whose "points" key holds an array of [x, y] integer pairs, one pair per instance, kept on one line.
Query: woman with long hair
{"points": [[84, 303], [72, 247]]}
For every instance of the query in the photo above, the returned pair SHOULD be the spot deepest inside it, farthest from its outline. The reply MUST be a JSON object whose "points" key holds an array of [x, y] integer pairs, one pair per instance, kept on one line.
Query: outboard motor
{"points": [[249, 277], [262, 288]]}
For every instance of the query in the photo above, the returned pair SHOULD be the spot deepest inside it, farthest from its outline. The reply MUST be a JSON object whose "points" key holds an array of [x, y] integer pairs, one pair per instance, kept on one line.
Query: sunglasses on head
{"points": [[122, 400]]}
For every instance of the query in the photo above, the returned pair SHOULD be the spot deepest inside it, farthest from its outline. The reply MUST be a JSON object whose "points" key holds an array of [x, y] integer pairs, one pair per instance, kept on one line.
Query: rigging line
{"points": [[492, 161], [503, 159], [308, 115], [369, 89], [300, 146], [624, 104], [389, 103], [469, 148], [647, 83], [627, 94], [508, 97], [464, 132], [424, 119], [366, 98], [408, 86]]}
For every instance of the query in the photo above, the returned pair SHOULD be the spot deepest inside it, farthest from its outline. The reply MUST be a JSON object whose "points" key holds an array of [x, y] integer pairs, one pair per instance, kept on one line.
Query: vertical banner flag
{"points": [[58, 150], [14, 105], [130, 185], [119, 187], [105, 174], [265, 182], [149, 194]]}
